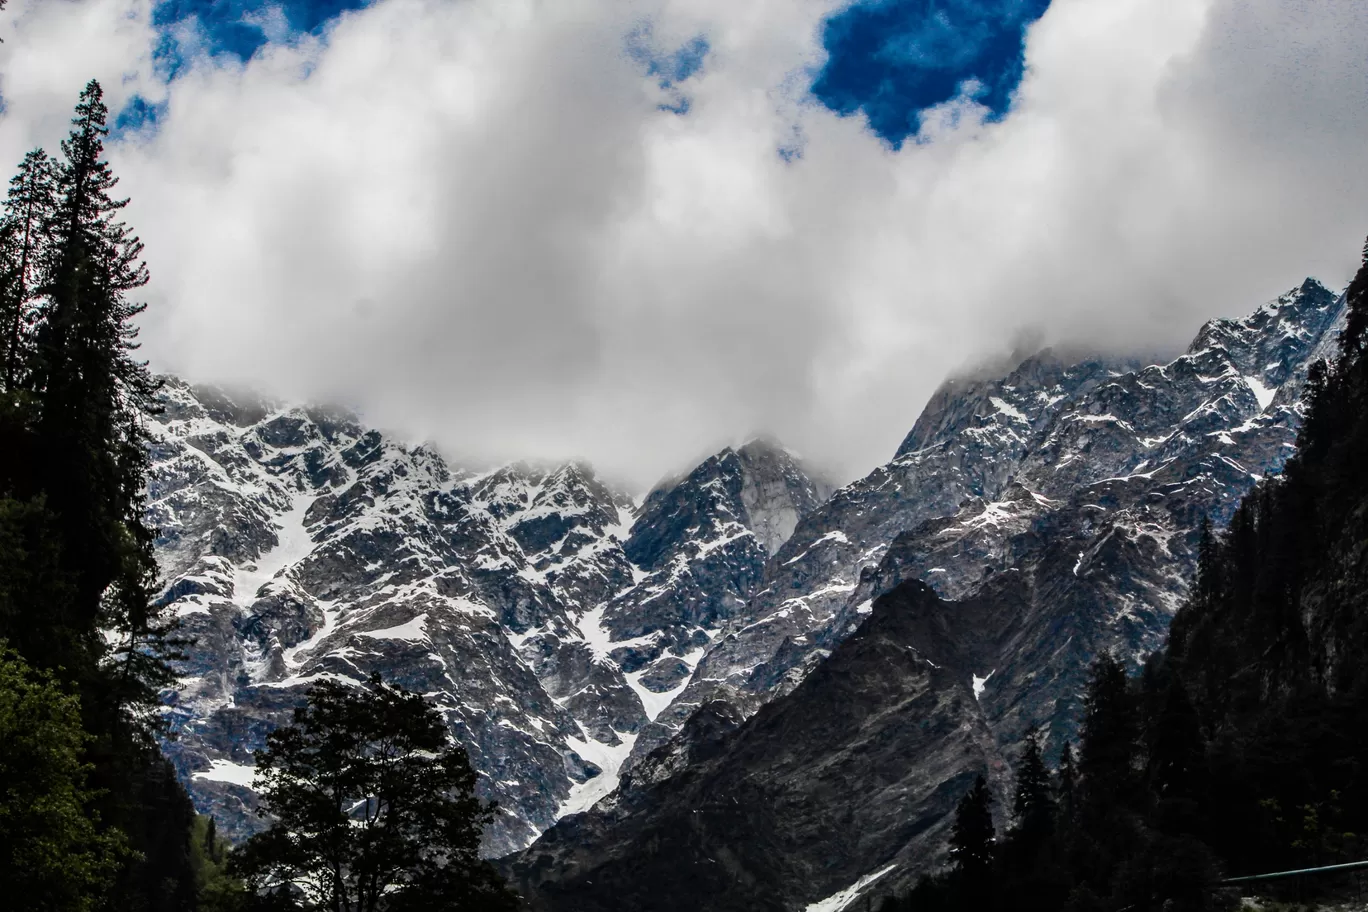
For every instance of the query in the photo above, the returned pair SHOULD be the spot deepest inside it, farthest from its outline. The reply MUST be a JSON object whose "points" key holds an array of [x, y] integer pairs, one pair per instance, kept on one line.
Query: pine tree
{"points": [[973, 836], [28, 213], [1177, 763], [1033, 805], [1066, 800], [1354, 339], [77, 569], [92, 397], [1207, 583], [1110, 735]]}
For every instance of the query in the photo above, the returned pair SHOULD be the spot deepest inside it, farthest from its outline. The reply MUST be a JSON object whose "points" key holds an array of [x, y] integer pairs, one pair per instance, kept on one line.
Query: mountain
{"points": [[1028, 523], [1101, 468], [546, 615], [569, 632]]}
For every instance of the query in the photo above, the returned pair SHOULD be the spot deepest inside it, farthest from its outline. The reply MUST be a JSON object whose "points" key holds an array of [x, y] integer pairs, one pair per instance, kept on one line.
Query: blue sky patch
{"points": [[893, 59], [668, 68], [239, 28], [136, 114]]}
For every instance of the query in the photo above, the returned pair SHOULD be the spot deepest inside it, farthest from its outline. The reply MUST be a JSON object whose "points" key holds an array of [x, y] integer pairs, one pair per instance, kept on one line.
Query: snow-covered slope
{"points": [[296, 545]]}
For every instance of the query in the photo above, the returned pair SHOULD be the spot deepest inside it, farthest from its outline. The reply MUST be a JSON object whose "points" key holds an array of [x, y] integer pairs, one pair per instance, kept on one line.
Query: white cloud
{"points": [[472, 219]]}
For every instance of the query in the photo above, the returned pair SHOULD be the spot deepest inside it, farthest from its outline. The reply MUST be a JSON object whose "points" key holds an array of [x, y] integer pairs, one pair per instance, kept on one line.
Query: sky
{"points": [[634, 231]]}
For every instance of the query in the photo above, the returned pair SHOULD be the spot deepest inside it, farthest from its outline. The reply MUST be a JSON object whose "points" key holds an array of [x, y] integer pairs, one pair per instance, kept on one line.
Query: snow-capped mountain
{"points": [[1118, 455], [1058, 506], [546, 618], [569, 633]]}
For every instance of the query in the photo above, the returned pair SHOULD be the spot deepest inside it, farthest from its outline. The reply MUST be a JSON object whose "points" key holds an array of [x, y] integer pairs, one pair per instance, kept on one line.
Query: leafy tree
{"points": [[373, 808], [51, 853], [218, 890]]}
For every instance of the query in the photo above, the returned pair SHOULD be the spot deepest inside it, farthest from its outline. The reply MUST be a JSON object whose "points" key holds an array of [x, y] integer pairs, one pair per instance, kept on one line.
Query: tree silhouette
{"points": [[374, 809]]}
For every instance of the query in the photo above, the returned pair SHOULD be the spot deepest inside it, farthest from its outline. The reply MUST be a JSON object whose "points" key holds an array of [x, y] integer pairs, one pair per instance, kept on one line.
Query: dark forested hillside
{"points": [[1242, 746], [1271, 646]]}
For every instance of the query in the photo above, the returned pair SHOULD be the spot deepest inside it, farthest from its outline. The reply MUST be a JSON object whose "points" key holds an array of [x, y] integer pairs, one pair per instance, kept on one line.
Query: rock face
{"points": [[1058, 506], [547, 625], [773, 812]]}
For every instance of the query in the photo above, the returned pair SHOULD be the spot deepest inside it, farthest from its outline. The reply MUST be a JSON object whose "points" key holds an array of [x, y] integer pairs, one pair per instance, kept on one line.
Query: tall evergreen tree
{"points": [[1033, 805], [93, 395], [973, 836], [77, 570], [1067, 785], [1109, 736], [1206, 584], [28, 215]]}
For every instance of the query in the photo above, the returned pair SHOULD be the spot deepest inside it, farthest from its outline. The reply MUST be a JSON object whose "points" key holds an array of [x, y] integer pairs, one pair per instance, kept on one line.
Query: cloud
{"points": [[485, 221]]}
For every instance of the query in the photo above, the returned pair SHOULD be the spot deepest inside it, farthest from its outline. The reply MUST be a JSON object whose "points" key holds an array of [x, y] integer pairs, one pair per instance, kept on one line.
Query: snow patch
{"points": [[228, 771], [981, 684], [842, 900], [415, 629], [656, 703], [836, 536], [606, 757], [1007, 409], [293, 544], [1262, 393], [594, 634]]}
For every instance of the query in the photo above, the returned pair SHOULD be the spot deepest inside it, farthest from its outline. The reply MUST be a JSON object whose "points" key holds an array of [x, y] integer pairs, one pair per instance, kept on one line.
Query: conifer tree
{"points": [[972, 837], [27, 216], [1354, 339], [1033, 805], [1067, 787], [93, 395], [1110, 735], [77, 570], [1206, 584], [1177, 762]]}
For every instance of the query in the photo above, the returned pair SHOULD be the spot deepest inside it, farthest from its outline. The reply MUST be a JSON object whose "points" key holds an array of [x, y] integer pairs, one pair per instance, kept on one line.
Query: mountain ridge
{"points": [[570, 632]]}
